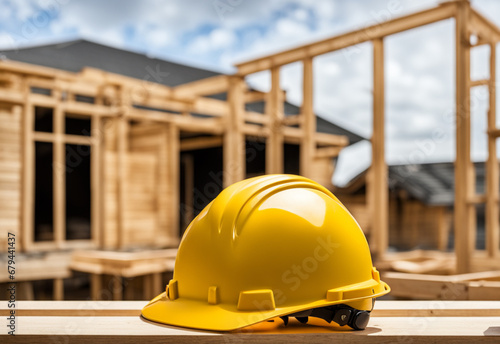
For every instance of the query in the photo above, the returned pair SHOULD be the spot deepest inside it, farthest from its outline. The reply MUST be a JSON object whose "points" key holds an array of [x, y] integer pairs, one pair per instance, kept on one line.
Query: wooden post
{"points": [[173, 181], [96, 178], [379, 188], [492, 175], [28, 170], [117, 285], [156, 283], [58, 293], [188, 161], [122, 134], [442, 228], [59, 173], [464, 187], [308, 146], [234, 139], [95, 286], [275, 112]]}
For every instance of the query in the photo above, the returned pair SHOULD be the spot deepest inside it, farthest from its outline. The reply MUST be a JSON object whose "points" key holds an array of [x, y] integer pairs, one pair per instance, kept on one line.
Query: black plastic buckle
{"points": [[340, 314]]}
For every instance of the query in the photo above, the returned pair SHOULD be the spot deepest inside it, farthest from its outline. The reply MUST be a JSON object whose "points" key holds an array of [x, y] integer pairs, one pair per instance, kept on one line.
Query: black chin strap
{"points": [[341, 314]]}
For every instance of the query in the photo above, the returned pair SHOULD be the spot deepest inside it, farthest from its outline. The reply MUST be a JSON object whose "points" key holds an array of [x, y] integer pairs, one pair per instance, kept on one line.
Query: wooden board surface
{"points": [[392, 321]]}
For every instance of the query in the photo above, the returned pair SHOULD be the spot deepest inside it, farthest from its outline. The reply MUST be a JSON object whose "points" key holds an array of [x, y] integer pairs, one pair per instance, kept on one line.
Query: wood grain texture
{"points": [[120, 322]]}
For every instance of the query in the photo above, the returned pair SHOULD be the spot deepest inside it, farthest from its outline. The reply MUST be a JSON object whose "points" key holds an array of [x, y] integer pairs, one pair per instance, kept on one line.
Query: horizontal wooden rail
{"points": [[119, 322], [482, 82]]}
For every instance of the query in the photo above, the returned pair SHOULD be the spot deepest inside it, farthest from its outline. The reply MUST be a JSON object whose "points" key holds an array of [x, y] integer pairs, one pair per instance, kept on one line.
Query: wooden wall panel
{"points": [[10, 173]]}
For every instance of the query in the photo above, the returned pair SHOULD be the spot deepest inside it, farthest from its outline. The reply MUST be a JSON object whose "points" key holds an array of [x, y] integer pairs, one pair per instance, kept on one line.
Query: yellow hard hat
{"points": [[270, 246]]}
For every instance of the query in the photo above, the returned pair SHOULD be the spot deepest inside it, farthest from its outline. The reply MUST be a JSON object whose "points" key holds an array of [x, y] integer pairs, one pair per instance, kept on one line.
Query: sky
{"points": [[216, 34]]}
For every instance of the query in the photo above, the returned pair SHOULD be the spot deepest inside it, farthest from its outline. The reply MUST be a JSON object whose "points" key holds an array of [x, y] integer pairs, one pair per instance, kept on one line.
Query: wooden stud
{"points": [[121, 168], [58, 294], [308, 145], [492, 174], [379, 188], [275, 113], [157, 283], [147, 287], [234, 160], [95, 286], [173, 157], [442, 229], [117, 286], [463, 212], [96, 180], [188, 162], [59, 173], [28, 170]]}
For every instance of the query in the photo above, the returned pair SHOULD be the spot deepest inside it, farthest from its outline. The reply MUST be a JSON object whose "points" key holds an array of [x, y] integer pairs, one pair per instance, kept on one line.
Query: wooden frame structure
{"points": [[128, 117], [121, 102], [468, 22]]}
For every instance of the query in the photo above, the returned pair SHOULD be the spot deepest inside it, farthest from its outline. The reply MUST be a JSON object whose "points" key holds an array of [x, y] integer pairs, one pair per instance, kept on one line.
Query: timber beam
{"points": [[208, 86], [380, 30]]}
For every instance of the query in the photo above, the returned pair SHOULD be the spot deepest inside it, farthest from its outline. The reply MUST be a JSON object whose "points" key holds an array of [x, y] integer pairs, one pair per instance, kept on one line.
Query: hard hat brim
{"points": [[222, 317]]}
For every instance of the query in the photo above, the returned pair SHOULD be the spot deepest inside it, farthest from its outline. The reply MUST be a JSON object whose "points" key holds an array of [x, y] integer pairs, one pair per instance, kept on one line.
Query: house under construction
{"points": [[119, 140]]}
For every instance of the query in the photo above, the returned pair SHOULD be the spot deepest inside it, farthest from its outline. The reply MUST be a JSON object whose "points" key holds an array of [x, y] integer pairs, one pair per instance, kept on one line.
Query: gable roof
{"points": [[430, 183], [74, 55]]}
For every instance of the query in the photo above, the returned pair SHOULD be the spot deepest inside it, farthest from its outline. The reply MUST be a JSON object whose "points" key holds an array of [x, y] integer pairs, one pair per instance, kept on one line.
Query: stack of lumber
{"points": [[473, 286]]}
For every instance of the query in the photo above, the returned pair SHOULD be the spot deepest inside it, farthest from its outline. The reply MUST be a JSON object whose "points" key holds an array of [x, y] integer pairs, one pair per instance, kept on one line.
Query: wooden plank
{"points": [[254, 96], [184, 123], [330, 139], [200, 143], [256, 117], [379, 188], [293, 120], [234, 161], [382, 308], [71, 139], [133, 329], [307, 144], [327, 152], [275, 112], [492, 173], [26, 68], [478, 286], [476, 199], [463, 211], [13, 97], [208, 86], [256, 130], [59, 173], [379, 30], [482, 82], [50, 266]]}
